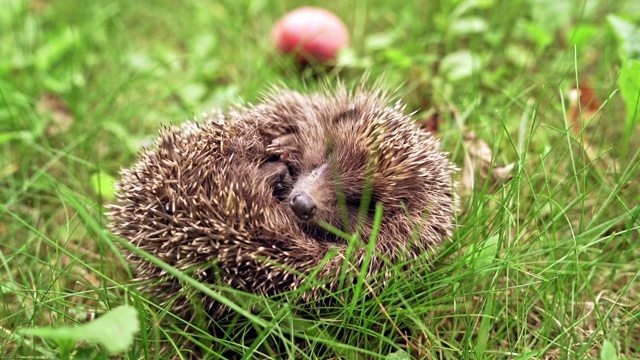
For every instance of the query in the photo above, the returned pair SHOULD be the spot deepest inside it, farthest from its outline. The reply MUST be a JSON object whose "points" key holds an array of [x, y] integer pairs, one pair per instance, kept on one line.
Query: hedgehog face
{"points": [[365, 144], [332, 174], [312, 194]]}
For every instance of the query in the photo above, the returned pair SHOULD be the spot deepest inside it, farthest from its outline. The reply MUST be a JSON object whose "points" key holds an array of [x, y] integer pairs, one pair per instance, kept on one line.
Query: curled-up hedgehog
{"points": [[252, 199]]}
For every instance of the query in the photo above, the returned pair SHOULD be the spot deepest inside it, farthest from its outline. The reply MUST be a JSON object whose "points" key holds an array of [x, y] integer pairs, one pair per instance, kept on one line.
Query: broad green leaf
{"points": [[527, 355], [459, 65], [520, 55], [398, 58], [349, 58], [583, 34], [203, 45], [467, 5], [487, 252], [114, 330], [103, 184], [608, 351], [539, 34], [629, 82], [398, 355], [192, 93], [15, 135], [468, 25], [142, 62], [379, 41], [64, 337], [628, 36]]}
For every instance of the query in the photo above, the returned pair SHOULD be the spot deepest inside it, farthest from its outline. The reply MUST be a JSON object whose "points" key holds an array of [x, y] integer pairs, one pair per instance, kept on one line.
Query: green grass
{"points": [[543, 266]]}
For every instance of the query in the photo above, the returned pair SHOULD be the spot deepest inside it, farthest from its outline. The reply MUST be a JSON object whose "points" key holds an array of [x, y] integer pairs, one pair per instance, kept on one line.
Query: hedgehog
{"points": [[256, 199], [355, 149]]}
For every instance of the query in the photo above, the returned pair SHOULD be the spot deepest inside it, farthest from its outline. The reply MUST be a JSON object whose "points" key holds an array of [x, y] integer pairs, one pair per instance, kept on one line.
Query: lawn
{"points": [[537, 102]]}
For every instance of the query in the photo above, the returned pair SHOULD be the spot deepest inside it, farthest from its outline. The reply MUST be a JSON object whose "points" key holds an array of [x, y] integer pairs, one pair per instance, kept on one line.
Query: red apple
{"points": [[311, 33]]}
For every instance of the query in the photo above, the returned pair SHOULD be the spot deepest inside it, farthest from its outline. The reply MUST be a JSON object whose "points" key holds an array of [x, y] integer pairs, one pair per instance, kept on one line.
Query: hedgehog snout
{"points": [[303, 206]]}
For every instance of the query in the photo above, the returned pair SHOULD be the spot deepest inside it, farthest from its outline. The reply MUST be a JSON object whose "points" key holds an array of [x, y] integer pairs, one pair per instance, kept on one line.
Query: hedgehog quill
{"points": [[243, 199]]}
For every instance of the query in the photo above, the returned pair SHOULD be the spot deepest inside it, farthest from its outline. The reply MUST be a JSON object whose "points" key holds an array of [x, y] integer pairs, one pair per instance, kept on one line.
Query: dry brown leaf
{"points": [[478, 161], [583, 104], [54, 106]]}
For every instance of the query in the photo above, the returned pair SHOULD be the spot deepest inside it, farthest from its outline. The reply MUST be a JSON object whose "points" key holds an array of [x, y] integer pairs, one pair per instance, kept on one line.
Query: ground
{"points": [[543, 264]]}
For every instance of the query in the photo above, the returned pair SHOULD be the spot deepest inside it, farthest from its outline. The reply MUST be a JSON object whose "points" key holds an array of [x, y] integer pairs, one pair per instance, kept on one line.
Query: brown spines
{"points": [[212, 199]]}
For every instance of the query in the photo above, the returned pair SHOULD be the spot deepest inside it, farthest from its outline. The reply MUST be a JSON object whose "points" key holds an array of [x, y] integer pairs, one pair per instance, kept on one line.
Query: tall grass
{"points": [[543, 265]]}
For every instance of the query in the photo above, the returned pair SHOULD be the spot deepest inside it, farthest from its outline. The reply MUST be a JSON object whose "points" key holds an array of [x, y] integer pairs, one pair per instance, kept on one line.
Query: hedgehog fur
{"points": [[221, 199]]}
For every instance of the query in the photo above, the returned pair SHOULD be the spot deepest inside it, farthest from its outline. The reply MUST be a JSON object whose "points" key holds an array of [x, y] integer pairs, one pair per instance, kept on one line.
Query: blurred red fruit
{"points": [[311, 33]]}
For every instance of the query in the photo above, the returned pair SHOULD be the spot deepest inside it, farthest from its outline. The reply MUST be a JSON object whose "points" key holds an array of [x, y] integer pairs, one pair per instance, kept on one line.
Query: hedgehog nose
{"points": [[303, 206]]}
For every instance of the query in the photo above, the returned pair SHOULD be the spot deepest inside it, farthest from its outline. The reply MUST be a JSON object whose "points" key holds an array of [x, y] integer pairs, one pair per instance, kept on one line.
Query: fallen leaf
{"points": [[479, 161], [583, 104], [54, 106]]}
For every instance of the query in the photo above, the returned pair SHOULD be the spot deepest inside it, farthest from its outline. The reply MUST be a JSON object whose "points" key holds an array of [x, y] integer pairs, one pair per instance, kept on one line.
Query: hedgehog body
{"points": [[240, 199]]}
